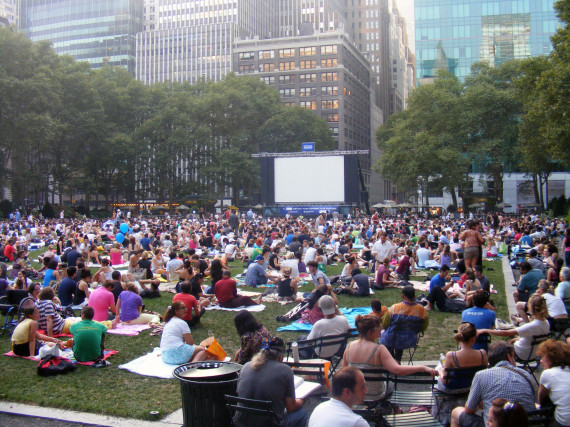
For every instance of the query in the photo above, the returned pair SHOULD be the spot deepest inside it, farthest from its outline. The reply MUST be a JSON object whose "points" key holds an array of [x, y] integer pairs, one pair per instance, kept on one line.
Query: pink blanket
{"points": [[106, 354], [126, 329]]}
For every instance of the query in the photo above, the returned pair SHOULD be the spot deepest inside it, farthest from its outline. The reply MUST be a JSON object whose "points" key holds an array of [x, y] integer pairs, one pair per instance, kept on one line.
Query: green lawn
{"points": [[120, 393]]}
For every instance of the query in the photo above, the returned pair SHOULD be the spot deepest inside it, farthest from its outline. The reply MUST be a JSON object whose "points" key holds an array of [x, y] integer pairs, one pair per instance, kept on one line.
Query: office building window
{"points": [[331, 62], [328, 50], [329, 104], [305, 51], [308, 78], [329, 77], [290, 65], [246, 55], [266, 54], [307, 64], [286, 53], [309, 105], [267, 67]]}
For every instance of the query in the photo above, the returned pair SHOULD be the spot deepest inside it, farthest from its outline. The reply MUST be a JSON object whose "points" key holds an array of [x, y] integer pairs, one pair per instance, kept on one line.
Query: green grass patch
{"points": [[116, 392]]}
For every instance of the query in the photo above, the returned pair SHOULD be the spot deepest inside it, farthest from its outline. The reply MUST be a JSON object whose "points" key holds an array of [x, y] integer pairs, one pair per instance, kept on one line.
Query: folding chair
{"points": [[559, 326], [412, 350], [413, 398], [10, 308], [261, 409], [316, 347], [369, 410], [310, 371], [533, 363], [541, 417]]}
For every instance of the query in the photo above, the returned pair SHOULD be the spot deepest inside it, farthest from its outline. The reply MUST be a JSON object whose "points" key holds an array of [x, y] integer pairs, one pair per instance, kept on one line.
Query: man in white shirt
{"points": [[383, 248], [311, 253], [348, 389], [330, 325], [423, 255], [171, 266]]}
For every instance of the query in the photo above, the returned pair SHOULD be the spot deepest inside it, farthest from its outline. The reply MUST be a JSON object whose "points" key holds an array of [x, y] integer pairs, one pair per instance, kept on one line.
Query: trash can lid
{"points": [[210, 370]]}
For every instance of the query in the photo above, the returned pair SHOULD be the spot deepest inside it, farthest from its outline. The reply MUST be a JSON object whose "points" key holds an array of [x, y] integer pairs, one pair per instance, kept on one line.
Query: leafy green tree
{"points": [[424, 146], [285, 131], [490, 115]]}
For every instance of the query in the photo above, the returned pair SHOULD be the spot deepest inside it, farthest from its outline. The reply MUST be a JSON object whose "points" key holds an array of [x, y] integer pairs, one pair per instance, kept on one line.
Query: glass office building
{"points": [[453, 34], [97, 31]]}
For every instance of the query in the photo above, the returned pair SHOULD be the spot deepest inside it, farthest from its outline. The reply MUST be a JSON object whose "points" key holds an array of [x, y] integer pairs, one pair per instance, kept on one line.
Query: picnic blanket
{"points": [[68, 354], [252, 308], [349, 313], [126, 329], [150, 365]]}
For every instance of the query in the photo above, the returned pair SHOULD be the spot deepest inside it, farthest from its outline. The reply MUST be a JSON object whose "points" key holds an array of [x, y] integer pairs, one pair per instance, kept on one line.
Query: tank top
{"points": [[79, 296], [21, 334], [116, 258], [285, 289], [377, 390]]}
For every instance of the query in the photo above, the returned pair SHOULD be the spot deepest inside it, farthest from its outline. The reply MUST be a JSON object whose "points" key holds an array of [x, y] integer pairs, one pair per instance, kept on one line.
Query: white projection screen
{"points": [[309, 179]]}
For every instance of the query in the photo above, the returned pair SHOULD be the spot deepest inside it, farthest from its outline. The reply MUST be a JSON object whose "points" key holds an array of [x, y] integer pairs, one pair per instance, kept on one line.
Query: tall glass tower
{"points": [[453, 34], [97, 31]]}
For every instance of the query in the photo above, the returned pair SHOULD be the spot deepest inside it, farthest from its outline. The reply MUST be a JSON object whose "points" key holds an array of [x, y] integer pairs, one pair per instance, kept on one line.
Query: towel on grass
{"points": [[150, 365], [349, 313], [252, 308], [56, 335], [68, 354], [126, 329]]}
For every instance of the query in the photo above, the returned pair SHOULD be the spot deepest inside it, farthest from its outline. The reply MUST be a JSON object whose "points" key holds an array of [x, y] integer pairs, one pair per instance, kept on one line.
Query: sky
{"points": [[406, 8]]}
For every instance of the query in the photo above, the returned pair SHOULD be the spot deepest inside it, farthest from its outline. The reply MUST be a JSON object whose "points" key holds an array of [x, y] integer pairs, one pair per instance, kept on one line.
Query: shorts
{"points": [[471, 420], [472, 252], [178, 355]]}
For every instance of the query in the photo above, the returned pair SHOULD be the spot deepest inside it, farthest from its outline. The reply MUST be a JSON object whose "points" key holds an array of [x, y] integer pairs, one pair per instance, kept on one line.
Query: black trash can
{"points": [[203, 386]]}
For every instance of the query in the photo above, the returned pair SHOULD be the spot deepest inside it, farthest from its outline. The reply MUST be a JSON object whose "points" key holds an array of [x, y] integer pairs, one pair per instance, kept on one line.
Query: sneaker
{"points": [[101, 364]]}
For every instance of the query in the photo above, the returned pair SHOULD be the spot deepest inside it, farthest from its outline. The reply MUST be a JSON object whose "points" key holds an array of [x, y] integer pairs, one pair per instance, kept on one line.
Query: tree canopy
{"points": [[66, 129]]}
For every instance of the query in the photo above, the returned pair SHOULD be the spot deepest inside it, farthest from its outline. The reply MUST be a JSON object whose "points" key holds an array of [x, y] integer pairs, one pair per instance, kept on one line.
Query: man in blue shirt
{"points": [[439, 279], [437, 294], [67, 288], [145, 242], [255, 274], [481, 317], [528, 284]]}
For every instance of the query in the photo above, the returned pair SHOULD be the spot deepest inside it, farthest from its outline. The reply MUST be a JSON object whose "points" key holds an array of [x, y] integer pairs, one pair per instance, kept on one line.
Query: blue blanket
{"points": [[349, 313]]}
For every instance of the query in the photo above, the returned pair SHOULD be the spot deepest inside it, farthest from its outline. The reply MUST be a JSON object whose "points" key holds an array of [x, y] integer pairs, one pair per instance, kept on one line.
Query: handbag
{"points": [[213, 347], [52, 365]]}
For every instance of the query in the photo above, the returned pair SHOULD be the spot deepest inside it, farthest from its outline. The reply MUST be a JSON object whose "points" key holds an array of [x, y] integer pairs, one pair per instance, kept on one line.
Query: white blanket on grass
{"points": [[252, 308], [150, 365]]}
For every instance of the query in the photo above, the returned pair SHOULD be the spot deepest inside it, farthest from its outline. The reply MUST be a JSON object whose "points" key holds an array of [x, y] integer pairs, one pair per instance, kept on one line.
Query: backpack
{"points": [[53, 365]]}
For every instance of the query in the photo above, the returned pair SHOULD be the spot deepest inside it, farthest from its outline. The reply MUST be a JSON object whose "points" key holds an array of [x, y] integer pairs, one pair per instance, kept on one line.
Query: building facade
{"points": [[97, 31], [452, 35], [324, 73], [8, 12], [188, 40], [380, 32]]}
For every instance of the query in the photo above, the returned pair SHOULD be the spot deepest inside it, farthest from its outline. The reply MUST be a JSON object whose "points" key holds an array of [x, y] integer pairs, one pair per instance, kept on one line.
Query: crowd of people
{"points": [[376, 252]]}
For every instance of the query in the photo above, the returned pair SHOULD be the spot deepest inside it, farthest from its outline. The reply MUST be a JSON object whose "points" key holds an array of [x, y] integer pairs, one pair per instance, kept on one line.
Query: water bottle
{"points": [[295, 349]]}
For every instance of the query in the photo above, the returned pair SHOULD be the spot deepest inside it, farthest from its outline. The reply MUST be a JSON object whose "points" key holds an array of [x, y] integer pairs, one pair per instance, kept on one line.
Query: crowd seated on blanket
{"points": [[177, 344]]}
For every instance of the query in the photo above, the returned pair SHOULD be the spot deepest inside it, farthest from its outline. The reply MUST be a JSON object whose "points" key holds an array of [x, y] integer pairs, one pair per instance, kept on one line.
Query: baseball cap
{"points": [[259, 258], [326, 304]]}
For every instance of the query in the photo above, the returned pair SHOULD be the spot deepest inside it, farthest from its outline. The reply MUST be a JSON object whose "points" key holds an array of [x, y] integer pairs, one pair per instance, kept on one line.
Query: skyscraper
{"points": [[193, 40], [9, 12], [452, 35], [97, 31]]}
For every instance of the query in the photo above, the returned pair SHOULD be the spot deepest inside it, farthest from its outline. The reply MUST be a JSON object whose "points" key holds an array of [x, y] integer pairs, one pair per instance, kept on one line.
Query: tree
{"points": [[285, 131], [490, 115], [424, 146]]}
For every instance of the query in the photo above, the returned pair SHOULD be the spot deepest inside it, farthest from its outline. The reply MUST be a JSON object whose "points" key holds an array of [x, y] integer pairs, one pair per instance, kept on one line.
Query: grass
{"points": [[116, 392]]}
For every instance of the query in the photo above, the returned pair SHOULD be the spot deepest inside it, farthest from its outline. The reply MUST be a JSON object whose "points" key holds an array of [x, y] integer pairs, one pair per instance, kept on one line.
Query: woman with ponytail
{"points": [[266, 378], [177, 344]]}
